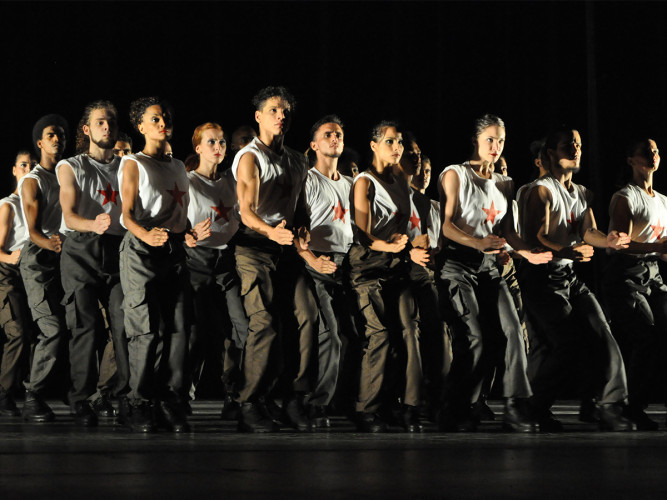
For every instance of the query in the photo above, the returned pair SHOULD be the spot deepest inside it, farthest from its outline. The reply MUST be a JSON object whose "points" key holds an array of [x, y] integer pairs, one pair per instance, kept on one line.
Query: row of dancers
{"points": [[323, 288]]}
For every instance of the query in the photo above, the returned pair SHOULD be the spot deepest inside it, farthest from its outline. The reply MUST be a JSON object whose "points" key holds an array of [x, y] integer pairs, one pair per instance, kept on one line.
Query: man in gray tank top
{"points": [[269, 178], [40, 260], [89, 197]]}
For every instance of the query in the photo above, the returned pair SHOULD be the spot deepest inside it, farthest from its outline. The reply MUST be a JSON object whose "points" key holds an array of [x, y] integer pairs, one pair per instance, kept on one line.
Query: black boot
{"points": [[35, 409], [254, 419], [295, 414], [612, 419], [517, 416], [7, 405], [410, 419]]}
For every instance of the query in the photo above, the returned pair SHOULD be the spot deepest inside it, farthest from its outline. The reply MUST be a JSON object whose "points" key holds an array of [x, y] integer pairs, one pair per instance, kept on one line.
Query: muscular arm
{"points": [[534, 256], [30, 198], [6, 221], [537, 217], [69, 197], [594, 237], [362, 219], [621, 222], [450, 186], [156, 237], [247, 191]]}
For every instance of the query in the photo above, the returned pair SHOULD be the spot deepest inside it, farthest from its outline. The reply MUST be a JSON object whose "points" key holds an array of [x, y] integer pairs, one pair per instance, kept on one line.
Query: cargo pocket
{"points": [[71, 316], [137, 314], [457, 303]]}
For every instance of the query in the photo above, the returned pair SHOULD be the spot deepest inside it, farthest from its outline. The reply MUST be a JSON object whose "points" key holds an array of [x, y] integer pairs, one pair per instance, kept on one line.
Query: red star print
{"points": [[573, 223], [491, 213], [109, 194], [221, 211], [657, 230], [414, 220], [177, 194], [339, 212]]}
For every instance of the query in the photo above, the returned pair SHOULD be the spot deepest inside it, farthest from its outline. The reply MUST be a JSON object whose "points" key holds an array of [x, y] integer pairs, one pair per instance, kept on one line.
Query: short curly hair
{"points": [[267, 93], [139, 106]]}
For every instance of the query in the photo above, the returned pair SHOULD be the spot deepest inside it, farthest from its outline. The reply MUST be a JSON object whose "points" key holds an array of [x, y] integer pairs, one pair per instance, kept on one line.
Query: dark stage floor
{"points": [[58, 460]]}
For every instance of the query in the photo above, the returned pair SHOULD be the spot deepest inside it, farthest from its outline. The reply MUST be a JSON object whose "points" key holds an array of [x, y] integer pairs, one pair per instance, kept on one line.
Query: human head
{"points": [[387, 143], [168, 110], [208, 141], [23, 163], [273, 109], [241, 137], [411, 161], [123, 145], [488, 138], [643, 154], [138, 109], [501, 165], [348, 163], [422, 180], [168, 150], [59, 131], [327, 137], [99, 118], [539, 156], [563, 148]]}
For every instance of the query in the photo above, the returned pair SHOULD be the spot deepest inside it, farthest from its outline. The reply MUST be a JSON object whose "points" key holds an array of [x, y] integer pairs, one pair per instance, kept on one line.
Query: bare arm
{"points": [[534, 256], [156, 237], [69, 197], [621, 222], [538, 215], [488, 244], [362, 219], [30, 201], [6, 221], [593, 236], [247, 191]]}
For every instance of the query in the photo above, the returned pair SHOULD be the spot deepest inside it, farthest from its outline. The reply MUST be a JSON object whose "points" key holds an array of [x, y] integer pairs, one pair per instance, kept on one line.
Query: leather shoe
{"points": [[171, 415], [410, 419], [35, 409], [371, 423], [230, 409], [318, 417], [254, 419], [123, 410], [517, 417], [588, 411], [612, 419], [103, 407], [295, 414], [140, 417], [84, 416], [8, 406], [481, 412]]}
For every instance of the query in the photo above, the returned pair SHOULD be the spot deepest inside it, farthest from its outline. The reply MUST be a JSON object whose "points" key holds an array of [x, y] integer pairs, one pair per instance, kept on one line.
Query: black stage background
{"points": [[435, 66]]}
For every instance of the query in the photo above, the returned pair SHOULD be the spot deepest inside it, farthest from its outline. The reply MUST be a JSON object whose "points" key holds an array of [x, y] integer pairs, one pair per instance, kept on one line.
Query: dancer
{"points": [[89, 261], [634, 292], [269, 179], [40, 260], [14, 310], [476, 300], [558, 216], [216, 297], [154, 192]]}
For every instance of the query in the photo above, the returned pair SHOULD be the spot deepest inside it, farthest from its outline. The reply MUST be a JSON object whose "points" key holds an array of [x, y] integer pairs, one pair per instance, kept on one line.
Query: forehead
{"points": [[101, 114], [569, 138], [53, 129], [493, 131], [155, 109], [413, 146], [276, 102], [329, 127], [211, 133], [23, 159], [122, 145], [392, 133]]}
